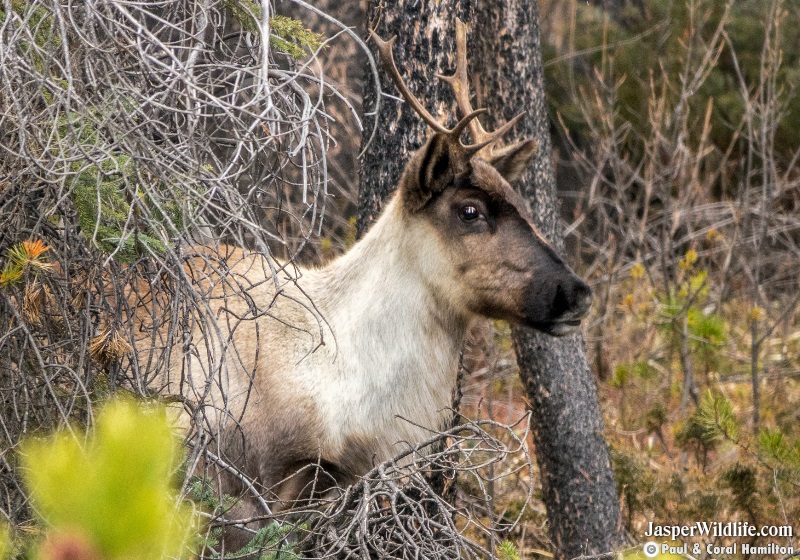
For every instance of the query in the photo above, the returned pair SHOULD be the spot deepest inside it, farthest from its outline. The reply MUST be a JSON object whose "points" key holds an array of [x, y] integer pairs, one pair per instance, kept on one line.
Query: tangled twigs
{"points": [[139, 143], [133, 134], [393, 512]]}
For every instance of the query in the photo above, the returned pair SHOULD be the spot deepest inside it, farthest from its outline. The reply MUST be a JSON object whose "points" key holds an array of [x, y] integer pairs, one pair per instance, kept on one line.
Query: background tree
{"points": [[682, 119], [578, 484], [424, 47]]}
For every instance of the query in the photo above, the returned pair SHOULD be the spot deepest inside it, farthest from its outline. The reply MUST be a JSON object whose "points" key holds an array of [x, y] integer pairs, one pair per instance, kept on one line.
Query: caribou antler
{"points": [[460, 84]]}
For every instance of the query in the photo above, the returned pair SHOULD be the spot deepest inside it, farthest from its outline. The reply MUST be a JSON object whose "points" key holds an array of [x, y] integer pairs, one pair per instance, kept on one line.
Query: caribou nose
{"points": [[573, 299]]}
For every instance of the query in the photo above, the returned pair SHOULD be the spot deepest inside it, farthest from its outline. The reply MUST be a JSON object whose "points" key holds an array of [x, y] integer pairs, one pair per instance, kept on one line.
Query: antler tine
{"points": [[465, 122], [459, 82], [473, 149], [385, 50]]}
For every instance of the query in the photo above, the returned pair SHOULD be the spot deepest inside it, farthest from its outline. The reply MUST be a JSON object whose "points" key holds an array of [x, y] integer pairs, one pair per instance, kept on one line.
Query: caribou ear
{"points": [[431, 170], [512, 161]]}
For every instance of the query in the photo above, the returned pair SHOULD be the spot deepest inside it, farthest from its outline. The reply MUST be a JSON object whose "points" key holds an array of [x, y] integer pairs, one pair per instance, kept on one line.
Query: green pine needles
{"points": [[287, 35]]}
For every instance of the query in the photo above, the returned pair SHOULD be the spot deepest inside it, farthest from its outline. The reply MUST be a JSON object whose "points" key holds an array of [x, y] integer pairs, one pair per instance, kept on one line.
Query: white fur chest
{"points": [[387, 373], [385, 377], [389, 402]]}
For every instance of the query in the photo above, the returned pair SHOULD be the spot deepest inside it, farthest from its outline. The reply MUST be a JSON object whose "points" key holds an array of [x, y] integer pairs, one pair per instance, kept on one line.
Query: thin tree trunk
{"points": [[425, 32], [578, 484]]}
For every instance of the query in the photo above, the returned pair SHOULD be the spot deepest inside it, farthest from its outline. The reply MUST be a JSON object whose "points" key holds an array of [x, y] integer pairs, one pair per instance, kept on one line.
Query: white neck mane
{"points": [[396, 342]]}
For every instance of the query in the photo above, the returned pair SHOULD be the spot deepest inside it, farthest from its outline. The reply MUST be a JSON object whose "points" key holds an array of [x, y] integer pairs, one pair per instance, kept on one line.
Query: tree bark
{"points": [[578, 484], [425, 31]]}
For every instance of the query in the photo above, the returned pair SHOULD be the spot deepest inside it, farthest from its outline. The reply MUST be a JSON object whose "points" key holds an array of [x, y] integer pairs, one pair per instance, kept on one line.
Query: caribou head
{"points": [[488, 257]]}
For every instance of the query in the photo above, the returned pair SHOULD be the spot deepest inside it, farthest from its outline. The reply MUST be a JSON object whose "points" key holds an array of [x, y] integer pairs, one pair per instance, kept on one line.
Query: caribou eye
{"points": [[469, 213]]}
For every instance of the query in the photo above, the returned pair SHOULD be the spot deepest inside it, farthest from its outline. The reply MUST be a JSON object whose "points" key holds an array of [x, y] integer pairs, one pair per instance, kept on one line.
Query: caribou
{"points": [[326, 371]]}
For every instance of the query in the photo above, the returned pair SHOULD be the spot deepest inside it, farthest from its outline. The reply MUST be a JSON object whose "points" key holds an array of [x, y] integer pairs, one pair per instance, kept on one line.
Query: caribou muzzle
{"points": [[557, 304]]}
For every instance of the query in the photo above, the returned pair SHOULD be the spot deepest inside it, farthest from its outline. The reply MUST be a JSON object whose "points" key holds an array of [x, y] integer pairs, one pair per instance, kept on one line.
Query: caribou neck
{"points": [[379, 303]]}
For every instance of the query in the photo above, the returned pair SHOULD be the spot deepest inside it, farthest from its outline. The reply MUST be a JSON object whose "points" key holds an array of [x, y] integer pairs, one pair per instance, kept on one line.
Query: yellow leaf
{"points": [[688, 260], [758, 314], [714, 235], [628, 300]]}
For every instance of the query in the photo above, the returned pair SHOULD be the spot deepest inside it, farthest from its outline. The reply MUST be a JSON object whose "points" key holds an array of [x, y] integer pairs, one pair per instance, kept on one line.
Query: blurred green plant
{"points": [[741, 480], [716, 419], [507, 551], [711, 423], [5, 541], [635, 482], [112, 495]]}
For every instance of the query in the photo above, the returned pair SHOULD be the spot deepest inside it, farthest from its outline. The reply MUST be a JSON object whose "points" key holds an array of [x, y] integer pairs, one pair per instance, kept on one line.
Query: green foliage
{"points": [[781, 452], [104, 214], [656, 417], [287, 35], [270, 543], [114, 210], [715, 418], [635, 481], [741, 479], [45, 31], [204, 494], [113, 493], [667, 36], [706, 329], [5, 541], [507, 551], [292, 37], [771, 443], [623, 373], [693, 432], [107, 215], [711, 422]]}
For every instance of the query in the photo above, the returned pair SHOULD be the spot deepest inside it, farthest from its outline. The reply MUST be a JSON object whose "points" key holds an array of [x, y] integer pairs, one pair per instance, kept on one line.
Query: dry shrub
{"points": [[678, 161]]}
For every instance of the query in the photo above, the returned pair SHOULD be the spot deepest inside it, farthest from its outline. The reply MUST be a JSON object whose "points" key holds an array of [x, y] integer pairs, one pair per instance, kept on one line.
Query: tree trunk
{"points": [[578, 484], [425, 32]]}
